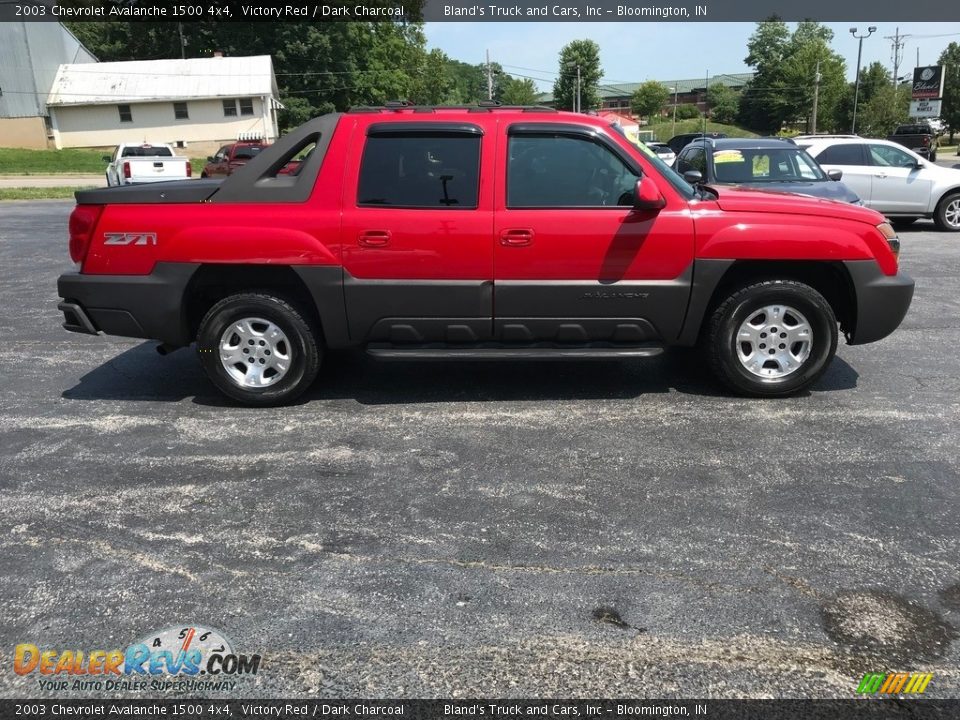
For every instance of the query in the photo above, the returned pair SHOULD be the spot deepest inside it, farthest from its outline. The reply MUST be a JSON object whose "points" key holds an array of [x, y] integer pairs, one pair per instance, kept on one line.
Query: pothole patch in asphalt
{"points": [[611, 617], [887, 625]]}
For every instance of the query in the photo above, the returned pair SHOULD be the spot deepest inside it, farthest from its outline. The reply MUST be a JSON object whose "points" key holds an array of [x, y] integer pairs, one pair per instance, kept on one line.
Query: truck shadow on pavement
{"points": [[141, 374]]}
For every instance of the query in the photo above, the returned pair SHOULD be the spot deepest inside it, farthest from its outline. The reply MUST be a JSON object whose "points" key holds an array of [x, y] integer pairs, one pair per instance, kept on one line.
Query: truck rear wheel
{"points": [[772, 338], [258, 349]]}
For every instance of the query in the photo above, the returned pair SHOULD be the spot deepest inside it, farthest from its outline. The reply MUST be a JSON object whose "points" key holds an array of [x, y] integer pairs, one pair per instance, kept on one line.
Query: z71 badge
{"points": [[130, 238]]}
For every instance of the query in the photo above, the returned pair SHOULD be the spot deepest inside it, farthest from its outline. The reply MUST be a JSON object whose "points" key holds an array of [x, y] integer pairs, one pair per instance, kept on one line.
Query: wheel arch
{"points": [[714, 280], [316, 290]]}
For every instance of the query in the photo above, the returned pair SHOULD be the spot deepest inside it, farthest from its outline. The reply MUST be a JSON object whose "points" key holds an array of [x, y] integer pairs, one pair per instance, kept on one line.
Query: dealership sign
{"points": [[928, 82], [925, 108]]}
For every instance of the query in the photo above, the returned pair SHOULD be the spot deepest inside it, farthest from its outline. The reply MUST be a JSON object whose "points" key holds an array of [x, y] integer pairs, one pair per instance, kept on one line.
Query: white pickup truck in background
{"points": [[145, 163]]}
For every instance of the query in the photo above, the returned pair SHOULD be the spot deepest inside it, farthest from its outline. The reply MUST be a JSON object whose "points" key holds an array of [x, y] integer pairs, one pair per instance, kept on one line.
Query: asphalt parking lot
{"points": [[612, 529]]}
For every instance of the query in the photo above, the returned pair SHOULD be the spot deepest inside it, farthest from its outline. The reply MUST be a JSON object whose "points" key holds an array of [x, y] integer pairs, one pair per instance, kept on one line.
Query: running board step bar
{"points": [[398, 352]]}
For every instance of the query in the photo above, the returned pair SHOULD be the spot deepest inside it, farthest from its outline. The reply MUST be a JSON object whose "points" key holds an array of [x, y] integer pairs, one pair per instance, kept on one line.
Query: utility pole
{"points": [[816, 98], [183, 43], [578, 87], [673, 130], [897, 51], [706, 101], [856, 93], [489, 78]]}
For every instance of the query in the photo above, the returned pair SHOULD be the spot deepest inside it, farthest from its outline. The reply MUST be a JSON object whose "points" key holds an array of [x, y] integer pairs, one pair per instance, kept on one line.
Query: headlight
{"points": [[886, 229]]}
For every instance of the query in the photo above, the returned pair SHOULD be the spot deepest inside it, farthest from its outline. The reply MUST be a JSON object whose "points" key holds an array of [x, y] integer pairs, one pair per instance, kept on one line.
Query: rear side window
{"points": [[420, 170], [846, 154]]}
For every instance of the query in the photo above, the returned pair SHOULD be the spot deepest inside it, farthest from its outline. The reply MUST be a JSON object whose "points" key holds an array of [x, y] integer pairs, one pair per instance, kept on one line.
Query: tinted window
{"points": [[564, 171], [845, 154], [147, 151], [697, 159], [420, 170], [887, 156], [247, 152]]}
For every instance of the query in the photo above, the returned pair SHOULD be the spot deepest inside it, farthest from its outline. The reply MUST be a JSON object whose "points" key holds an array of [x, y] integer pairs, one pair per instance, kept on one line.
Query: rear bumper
{"points": [[141, 306], [882, 301]]}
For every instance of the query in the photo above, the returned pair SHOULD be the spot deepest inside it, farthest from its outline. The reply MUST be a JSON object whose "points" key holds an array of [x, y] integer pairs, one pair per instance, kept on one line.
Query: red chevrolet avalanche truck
{"points": [[477, 233]]}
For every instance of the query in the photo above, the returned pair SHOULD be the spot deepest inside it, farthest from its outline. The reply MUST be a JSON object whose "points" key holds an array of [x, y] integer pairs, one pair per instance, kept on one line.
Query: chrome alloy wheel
{"points": [[255, 352], [951, 213], [774, 341]]}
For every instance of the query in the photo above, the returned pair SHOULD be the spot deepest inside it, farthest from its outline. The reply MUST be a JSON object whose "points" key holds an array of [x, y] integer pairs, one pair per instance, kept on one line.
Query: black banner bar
{"points": [[855, 709], [478, 11]]}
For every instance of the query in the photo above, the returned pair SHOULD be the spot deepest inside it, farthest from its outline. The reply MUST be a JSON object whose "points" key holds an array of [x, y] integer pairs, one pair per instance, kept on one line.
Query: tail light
{"points": [[926, 142], [189, 169], [126, 170], [83, 221]]}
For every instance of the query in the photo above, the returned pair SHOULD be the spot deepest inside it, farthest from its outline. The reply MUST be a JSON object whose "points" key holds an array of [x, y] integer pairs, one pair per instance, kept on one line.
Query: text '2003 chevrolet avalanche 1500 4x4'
{"points": [[477, 233]]}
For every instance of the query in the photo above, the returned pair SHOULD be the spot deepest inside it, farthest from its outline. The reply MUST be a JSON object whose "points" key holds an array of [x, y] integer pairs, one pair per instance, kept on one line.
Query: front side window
{"points": [[126, 115], [420, 170], [887, 156], [180, 111], [566, 171], [845, 154]]}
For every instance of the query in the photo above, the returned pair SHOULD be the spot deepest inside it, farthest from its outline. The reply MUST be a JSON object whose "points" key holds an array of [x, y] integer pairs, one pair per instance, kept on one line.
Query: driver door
{"points": [[573, 261]]}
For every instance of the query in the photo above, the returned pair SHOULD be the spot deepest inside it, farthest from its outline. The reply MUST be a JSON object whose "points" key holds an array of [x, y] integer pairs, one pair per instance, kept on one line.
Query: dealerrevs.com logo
{"points": [[178, 658]]}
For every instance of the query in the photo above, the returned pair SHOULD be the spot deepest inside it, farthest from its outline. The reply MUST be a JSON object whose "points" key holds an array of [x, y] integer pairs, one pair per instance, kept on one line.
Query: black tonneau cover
{"points": [[175, 191]]}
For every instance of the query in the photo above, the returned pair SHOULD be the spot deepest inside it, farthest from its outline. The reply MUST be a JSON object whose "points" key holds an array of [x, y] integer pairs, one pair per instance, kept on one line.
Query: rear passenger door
{"points": [[899, 186], [417, 232], [574, 261]]}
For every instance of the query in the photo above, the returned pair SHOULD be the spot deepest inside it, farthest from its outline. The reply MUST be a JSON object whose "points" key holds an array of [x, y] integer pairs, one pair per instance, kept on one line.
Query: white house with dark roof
{"points": [[197, 103]]}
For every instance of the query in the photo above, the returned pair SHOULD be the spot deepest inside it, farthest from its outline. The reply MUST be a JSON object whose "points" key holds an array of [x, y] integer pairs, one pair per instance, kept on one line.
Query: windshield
{"points": [[774, 165], [679, 184]]}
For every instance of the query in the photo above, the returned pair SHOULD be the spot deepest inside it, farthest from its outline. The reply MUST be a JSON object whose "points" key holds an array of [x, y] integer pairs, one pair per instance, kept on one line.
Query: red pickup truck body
{"points": [[483, 232], [231, 158]]}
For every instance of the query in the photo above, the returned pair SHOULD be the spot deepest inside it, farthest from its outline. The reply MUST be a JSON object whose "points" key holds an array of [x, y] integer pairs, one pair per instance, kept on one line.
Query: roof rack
{"points": [[482, 106]]}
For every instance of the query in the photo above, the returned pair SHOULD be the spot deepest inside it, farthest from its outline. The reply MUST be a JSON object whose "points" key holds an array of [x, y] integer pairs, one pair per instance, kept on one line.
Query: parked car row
{"points": [[883, 175]]}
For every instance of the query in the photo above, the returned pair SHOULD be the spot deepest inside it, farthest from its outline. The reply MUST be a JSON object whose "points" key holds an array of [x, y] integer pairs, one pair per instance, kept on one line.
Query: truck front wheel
{"points": [[258, 349], [772, 338]]}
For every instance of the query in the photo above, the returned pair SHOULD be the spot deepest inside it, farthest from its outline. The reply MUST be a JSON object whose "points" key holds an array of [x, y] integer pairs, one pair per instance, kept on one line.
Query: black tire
{"points": [[949, 203], [739, 306], [301, 344], [903, 222]]}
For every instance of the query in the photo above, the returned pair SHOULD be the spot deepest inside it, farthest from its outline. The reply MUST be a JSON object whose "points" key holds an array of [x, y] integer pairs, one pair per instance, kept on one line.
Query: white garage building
{"points": [[198, 103]]}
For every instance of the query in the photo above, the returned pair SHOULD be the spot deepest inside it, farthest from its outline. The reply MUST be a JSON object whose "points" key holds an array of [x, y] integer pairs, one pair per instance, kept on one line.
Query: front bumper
{"points": [[882, 301], [140, 306]]}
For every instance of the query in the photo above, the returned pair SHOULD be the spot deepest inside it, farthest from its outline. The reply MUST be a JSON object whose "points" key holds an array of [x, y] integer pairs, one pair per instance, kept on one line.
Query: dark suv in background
{"points": [[762, 164], [679, 142]]}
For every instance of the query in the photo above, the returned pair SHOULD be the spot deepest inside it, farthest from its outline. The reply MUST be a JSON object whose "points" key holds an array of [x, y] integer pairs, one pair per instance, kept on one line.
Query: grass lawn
{"points": [[41, 193], [664, 131], [15, 161]]}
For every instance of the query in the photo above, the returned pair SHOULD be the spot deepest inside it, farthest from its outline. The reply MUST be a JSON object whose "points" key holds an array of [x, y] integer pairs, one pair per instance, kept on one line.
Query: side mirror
{"points": [[106, 158], [835, 175], [647, 195], [694, 177]]}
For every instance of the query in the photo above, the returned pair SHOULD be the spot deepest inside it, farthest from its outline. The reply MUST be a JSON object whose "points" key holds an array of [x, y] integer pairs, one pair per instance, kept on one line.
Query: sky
{"points": [[634, 52]]}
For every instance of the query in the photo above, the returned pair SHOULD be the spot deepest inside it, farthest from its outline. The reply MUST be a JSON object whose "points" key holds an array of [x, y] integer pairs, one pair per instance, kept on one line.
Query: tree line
{"points": [[333, 66]]}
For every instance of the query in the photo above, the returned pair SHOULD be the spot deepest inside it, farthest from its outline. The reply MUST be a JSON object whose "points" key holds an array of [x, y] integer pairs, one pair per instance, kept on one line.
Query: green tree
{"points": [[950, 110], [649, 98], [767, 49], [872, 80], [520, 91], [889, 107], [586, 55], [723, 103], [786, 67], [687, 111]]}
